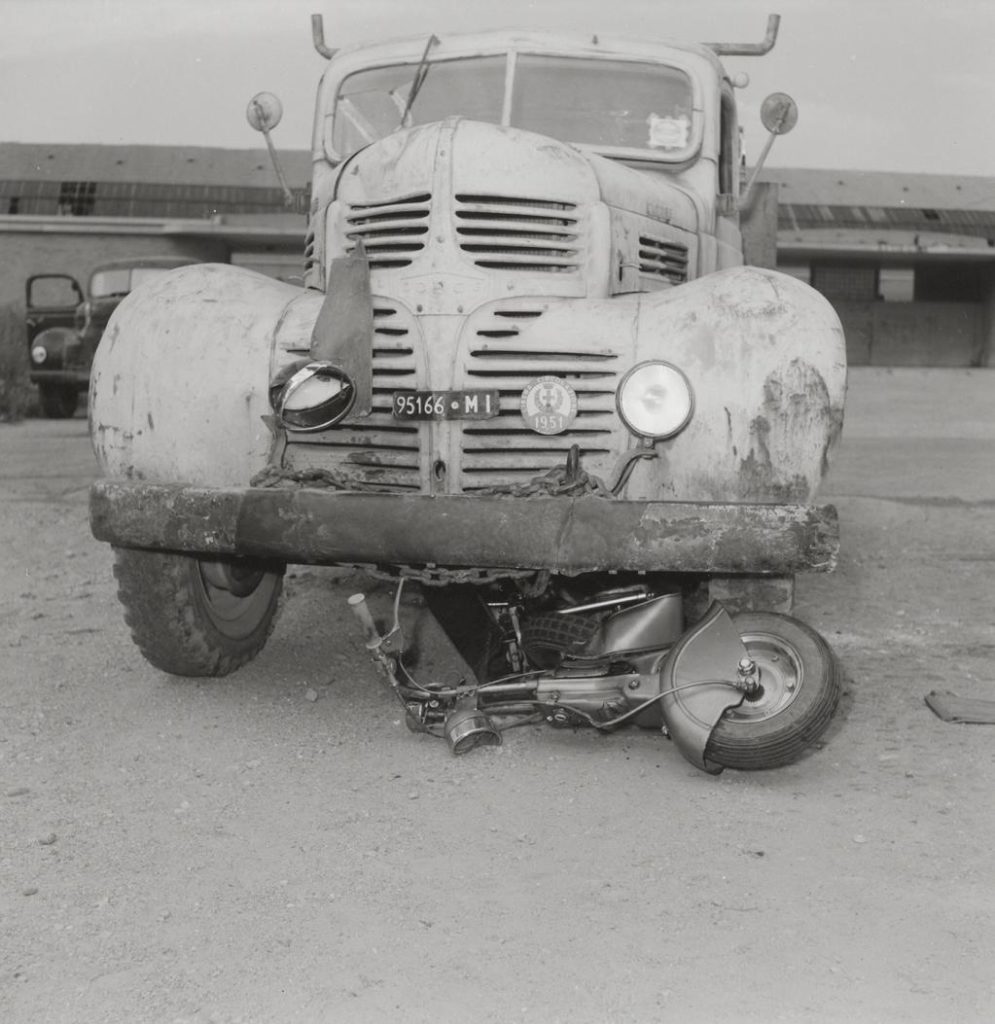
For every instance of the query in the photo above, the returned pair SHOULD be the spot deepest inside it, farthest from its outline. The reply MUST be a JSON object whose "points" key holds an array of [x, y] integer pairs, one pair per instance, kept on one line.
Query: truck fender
{"points": [[179, 386], [766, 358]]}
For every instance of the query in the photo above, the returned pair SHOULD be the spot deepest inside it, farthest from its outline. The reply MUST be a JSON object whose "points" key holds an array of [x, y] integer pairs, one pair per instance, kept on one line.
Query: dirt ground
{"points": [[277, 847]]}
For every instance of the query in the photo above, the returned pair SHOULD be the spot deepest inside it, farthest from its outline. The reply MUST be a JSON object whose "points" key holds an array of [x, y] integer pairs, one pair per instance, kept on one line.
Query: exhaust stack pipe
{"points": [[750, 49]]}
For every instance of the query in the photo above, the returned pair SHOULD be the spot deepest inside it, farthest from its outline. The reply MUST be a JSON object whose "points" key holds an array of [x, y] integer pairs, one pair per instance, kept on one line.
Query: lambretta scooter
{"points": [[749, 691]]}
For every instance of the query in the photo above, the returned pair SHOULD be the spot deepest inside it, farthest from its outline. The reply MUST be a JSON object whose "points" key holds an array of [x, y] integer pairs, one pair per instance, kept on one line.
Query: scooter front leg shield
{"points": [[698, 681]]}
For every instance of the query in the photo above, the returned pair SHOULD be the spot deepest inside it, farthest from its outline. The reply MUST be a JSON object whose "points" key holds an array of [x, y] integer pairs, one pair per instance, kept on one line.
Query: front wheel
{"points": [[799, 690], [197, 617]]}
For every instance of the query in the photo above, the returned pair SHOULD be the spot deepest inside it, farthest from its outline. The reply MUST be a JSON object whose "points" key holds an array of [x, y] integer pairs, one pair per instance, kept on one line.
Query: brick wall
{"points": [[853, 283]]}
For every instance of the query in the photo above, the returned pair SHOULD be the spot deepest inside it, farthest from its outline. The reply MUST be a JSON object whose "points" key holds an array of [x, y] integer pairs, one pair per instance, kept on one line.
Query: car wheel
{"points": [[197, 617], [799, 690], [58, 401]]}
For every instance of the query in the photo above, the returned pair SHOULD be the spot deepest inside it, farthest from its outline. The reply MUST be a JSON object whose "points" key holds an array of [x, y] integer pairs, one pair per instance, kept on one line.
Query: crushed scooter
{"points": [[753, 690]]}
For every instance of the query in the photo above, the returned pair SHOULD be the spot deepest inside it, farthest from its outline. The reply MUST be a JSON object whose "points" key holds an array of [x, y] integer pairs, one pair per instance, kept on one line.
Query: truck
{"points": [[64, 326], [528, 371]]}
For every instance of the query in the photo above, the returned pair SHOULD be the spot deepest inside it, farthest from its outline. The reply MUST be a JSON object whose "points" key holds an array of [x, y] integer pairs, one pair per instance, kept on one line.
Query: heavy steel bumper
{"points": [[327, 527]]}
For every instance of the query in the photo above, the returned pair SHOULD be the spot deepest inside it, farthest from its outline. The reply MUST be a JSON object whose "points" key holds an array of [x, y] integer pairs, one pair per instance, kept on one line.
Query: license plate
{"points": [[446, 405]]}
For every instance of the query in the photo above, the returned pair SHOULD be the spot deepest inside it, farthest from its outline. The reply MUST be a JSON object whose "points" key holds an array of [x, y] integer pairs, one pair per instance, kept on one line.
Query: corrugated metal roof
{"points": [[932, 220], [882, 189], [193, 165]]}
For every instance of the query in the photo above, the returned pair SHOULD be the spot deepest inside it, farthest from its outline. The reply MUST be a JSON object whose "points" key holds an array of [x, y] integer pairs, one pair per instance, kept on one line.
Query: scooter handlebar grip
{"points": [[362, 611]]}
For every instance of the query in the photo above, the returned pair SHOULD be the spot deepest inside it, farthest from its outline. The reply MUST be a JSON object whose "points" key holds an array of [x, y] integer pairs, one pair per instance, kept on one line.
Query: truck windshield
{"points": [[601, 103]]}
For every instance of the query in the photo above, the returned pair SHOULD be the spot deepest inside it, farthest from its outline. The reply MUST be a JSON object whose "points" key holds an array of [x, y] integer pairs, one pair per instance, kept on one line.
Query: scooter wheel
{"points": [[548, 639], [799, 689]]}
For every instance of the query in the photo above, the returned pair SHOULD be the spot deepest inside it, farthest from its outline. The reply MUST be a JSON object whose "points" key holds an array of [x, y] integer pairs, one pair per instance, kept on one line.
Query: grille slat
{"points": [[510, 455], [504, 450], [487, 462], [514, 233], [392, 231], [662, 259]]}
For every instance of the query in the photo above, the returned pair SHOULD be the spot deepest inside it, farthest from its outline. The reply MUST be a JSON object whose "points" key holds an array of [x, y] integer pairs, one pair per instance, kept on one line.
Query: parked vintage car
{"points": [[65, 326]]}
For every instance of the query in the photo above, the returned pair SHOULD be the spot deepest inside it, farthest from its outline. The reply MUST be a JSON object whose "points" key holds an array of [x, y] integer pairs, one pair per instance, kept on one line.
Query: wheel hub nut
{"points": [[749, 677]]}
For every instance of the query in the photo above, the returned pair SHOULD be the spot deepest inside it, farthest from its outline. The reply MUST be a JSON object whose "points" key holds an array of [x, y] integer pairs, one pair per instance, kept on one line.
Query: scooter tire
{"points": [[800, 687]]}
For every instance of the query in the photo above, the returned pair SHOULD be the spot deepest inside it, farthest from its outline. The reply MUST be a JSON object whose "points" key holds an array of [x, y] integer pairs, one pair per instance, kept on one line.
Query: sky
{"points": [[884, 85]]}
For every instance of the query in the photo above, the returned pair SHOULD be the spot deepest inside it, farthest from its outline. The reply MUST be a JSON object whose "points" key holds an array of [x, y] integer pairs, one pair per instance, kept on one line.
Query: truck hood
{"points": [[513, 211]]}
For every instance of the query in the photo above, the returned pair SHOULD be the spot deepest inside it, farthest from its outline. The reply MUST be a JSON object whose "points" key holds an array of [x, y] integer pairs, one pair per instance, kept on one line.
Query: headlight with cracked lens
{"points": [[316, 397], [655, 400]]}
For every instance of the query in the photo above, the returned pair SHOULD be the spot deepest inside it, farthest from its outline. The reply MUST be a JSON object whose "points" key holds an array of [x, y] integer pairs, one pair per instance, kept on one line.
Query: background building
{"points": [[67, 208], [908, 260]]}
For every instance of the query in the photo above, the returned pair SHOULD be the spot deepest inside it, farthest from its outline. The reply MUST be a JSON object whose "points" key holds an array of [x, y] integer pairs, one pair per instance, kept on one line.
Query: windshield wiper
{"points": [[419, 80]]}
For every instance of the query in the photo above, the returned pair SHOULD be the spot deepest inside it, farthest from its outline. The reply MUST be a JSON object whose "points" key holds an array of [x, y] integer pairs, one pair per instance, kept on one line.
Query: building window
{"points": [[76, 198], [896, 284]]}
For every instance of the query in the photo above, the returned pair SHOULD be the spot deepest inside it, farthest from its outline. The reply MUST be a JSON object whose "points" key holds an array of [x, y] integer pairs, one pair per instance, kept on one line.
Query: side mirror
{"points": [[778, 113], [264, 112]]}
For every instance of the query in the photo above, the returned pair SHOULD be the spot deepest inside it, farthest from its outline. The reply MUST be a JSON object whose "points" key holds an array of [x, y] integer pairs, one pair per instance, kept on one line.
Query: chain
{"points": [[560, 481], [277, 476], [444, 576]]}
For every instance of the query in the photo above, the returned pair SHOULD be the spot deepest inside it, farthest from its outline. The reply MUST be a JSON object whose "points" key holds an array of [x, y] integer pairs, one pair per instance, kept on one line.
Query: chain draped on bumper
{"points": [[558, 533]]}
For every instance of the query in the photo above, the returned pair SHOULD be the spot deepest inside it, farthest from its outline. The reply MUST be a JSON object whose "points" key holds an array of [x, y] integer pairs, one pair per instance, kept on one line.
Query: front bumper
{"points": [[562, 534], [78, 378]]}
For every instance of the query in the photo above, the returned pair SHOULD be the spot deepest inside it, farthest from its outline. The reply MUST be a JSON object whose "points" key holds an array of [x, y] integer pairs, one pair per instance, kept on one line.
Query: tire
{"points": [[800, 688], [58, 401], [197, 617], [548, 639]]}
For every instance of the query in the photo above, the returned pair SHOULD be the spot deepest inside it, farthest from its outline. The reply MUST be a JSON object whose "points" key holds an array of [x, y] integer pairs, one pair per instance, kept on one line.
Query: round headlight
{"points": [[655, 400], [39, 354], [316, 397]]}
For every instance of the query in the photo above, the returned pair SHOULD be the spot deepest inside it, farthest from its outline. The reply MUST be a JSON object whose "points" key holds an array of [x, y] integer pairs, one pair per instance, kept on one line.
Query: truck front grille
{"points": [[500, 347], [392, 231], [662, 260], [504, 451], [309, 250], [511, 233]]}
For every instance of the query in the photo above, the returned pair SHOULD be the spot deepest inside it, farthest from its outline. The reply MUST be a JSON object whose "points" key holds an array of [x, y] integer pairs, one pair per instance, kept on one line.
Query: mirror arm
{"points": [[288, 196], [747, 194], [262, 124]]}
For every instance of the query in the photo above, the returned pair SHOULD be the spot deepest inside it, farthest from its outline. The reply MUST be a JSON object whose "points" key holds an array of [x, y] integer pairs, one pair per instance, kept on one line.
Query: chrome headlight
{"points": [[655, 400], [39, 354], [315, 397]]}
